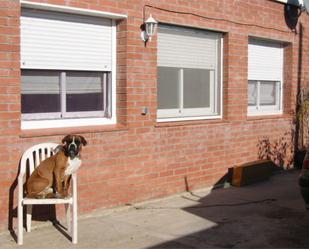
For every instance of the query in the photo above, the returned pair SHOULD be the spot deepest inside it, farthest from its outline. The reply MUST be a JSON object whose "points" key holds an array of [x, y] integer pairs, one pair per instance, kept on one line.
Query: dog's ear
{"points": [[65, 139], [83, 140]]}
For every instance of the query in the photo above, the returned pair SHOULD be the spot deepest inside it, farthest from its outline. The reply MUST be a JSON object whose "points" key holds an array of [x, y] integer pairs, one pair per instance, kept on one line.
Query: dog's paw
{"points": [[58, 195], [50, 196], [62, 195]]}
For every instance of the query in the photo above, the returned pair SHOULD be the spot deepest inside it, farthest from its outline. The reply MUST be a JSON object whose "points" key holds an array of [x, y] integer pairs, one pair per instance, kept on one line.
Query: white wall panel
{"points": [[187, 48], [51, 40], [265, 60]]}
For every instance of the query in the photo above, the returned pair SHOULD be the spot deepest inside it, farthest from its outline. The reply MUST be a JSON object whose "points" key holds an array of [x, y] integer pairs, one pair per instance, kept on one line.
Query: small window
{"points": [[40, 92], [84, 91], [189, 73], [168, 87], [265, 63], [64, 94]]}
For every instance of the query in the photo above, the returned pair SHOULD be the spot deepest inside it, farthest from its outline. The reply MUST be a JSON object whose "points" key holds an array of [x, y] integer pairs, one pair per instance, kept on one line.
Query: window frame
{"points": [[80, 119], [276, 109], [215, 111]]}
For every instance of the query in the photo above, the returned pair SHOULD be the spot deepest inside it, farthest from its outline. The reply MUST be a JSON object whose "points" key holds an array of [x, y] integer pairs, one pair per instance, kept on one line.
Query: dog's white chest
{"points": [[73, 165]]}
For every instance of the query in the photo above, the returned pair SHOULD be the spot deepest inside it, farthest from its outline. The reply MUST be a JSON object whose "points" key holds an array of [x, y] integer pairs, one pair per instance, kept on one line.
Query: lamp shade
{"points": [[150, 26]]}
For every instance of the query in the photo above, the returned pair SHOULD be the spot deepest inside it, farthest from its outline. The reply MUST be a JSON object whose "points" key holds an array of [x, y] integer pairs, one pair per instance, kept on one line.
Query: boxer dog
{"points": [[51, 179]]}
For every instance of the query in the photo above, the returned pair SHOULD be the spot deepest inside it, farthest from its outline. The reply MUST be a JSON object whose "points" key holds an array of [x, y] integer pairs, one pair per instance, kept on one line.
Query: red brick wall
{"points": [[139, 159]]}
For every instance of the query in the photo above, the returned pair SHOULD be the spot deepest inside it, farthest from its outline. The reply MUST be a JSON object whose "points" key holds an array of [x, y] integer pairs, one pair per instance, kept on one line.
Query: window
{"points": [[67, 63], [189, 73], [64, 94], [265, 70]]}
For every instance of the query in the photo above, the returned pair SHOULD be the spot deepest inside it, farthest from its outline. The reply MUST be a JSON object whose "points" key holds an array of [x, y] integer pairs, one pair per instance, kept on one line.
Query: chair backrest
{"points": [[33, 156]]}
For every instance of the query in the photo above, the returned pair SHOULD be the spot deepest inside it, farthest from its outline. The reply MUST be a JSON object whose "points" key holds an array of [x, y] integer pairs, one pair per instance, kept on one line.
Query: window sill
{"points": [[71, 130], [190, 122], [274, 116]]}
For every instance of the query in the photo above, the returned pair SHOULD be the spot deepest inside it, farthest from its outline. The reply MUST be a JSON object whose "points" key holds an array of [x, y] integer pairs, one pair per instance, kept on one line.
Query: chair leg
{"points": [[29, 217], [20, 219], [68, 216], [74, 221]]}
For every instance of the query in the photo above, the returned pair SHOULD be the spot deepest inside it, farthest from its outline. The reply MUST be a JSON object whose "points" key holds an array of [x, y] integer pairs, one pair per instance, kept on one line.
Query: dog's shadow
{"points": [[39, 212]]}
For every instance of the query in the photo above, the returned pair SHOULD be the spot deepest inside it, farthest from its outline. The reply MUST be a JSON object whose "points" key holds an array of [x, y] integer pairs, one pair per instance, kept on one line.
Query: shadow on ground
{"points": [[269, 214]]}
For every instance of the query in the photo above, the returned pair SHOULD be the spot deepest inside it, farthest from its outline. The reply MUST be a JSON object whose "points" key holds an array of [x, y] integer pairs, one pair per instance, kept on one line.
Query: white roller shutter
{"points": [[265, 60], [187, 48], [51, 40]]}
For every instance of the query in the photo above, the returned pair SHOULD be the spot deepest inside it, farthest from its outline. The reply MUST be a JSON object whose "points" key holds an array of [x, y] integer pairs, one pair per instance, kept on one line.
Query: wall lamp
{"points": [[149, 29]]}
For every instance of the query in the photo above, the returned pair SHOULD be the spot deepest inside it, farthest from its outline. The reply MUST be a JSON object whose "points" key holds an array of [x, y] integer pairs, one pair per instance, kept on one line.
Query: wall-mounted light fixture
{"points": [[149, 29]]}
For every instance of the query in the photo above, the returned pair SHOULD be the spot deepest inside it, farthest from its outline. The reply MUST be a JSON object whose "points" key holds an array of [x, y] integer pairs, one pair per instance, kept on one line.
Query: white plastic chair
{"points": [[31, 159]]}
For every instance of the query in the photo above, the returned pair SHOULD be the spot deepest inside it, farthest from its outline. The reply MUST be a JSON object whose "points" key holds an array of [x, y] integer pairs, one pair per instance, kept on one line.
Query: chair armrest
{"points": [[21, 181], [74, 178], [74, 185]]}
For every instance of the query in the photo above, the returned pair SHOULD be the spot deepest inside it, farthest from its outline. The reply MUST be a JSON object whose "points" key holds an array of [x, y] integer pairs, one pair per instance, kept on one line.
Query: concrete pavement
{"points": [[268, 214]]}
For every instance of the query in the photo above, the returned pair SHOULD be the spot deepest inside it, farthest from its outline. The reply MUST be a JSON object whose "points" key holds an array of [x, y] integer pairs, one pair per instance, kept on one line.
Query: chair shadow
{"points": [[63, 230], [11, 209]]}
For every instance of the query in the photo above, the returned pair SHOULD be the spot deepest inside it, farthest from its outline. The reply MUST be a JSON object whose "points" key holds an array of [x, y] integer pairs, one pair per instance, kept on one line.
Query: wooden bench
{"points": [[252, 172]]}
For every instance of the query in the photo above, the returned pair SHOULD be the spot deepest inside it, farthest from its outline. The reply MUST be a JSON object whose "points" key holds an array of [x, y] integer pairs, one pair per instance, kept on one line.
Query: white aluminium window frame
{"points": [[215, 111], [71, 10], [82, 121], [277, 108], [79, 121], [76, 122]]}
